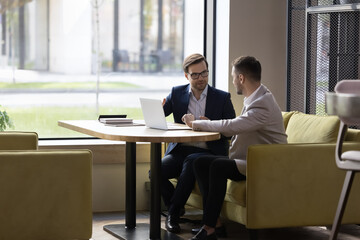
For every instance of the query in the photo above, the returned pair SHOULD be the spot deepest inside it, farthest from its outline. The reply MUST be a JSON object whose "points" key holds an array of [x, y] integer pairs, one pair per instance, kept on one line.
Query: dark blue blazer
{"points": [[218, 106]]}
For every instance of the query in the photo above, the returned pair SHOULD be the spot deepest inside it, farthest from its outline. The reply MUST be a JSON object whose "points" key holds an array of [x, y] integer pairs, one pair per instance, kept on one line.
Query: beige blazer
{"points": [[260, 123]]}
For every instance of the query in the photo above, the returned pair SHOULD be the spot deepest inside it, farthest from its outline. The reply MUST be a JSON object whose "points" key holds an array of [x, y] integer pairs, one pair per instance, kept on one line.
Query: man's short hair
{"points": [[193, 59], [248, 66]]}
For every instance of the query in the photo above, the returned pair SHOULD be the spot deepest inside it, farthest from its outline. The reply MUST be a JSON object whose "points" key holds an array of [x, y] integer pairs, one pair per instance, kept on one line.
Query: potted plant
{"points": [[5, 121]]}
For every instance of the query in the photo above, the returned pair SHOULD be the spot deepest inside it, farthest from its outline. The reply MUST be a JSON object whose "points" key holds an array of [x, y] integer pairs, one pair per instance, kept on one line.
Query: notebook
{"points": [[154, 116]]}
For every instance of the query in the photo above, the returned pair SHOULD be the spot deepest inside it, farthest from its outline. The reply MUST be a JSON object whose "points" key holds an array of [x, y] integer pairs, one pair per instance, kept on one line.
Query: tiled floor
{"points": [[235, 231]]}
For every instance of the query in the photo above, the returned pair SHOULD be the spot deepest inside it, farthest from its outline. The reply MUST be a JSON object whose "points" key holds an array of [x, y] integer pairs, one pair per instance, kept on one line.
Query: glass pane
{"points": [[331, 2], [64, 59]]}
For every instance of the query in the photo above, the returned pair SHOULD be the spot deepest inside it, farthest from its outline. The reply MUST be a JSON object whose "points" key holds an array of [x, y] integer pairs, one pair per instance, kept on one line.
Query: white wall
{"points": [[256, 28], [259, 29]]}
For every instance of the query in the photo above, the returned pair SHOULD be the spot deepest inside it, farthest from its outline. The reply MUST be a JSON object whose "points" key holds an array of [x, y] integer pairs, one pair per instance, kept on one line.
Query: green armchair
{"points": [[45, 194]]}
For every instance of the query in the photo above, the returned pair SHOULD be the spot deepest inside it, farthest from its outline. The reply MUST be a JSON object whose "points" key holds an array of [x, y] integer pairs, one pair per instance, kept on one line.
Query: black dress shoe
{"points": [[172, 224], [202, 235], [220, 231]]}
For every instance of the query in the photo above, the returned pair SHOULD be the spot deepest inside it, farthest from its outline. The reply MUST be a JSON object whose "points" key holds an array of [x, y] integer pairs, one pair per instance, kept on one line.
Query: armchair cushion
{"points": [[236, 192], [286, 117], [308, 128]]}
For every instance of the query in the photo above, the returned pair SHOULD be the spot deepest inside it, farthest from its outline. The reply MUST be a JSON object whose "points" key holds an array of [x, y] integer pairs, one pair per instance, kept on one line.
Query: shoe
{"points": [[172, 224], [202, 235], [181, 213], [220, 231]]}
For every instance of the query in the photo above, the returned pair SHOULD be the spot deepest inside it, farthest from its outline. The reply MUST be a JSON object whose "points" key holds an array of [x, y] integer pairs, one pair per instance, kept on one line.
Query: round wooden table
{"points": [[131, 135], [344, 105]]}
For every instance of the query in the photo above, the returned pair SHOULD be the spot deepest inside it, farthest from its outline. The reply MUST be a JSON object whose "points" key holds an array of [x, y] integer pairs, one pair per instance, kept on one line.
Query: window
{"points": [[323, 49], [64, 59]]}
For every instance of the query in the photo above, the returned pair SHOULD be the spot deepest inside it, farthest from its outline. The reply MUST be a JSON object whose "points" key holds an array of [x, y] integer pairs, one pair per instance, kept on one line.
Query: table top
{"points": [[136, 133], [343, 104]]}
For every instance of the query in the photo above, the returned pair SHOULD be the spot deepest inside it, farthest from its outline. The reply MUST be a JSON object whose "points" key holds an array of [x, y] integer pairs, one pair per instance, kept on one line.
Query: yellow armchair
{"points": [[45, 194], [294, 184]]}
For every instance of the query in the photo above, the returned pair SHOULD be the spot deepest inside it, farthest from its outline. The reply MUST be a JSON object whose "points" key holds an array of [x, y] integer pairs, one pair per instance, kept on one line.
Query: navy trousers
{"points": [[179, 164]]}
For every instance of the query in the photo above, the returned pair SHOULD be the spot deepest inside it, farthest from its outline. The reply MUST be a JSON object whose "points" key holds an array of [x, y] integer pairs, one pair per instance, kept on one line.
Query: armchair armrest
{"points": [[13, 140], [296, 185]]}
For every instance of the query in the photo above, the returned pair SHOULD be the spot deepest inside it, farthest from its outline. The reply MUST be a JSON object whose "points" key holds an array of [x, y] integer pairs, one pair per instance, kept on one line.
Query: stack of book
{"points": [[116, 121]]}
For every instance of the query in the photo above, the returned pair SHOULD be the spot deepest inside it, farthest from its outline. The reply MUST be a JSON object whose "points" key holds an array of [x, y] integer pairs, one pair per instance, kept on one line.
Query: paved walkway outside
{"points": [[147, 80], [155, 85]]}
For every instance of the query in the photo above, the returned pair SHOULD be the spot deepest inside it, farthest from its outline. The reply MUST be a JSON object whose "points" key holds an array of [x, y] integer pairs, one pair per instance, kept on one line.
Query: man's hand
{"points": [[188, 119], [164, 101]]}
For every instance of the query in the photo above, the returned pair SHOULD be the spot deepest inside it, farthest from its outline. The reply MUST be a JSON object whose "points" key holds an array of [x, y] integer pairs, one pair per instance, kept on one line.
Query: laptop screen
{"points": [[153, 113]]}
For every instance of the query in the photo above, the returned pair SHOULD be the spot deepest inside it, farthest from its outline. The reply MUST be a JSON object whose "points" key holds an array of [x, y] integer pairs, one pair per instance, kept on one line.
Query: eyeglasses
{"points": [[197, 75]]}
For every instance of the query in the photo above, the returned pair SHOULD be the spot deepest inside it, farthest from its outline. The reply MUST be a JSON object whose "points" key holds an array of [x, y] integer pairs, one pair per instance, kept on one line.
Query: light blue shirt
{"points": [[197, 107]]}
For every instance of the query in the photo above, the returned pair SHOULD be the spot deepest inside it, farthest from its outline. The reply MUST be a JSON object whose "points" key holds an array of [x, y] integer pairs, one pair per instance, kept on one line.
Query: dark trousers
{"points": [[212, 173], [179, 163]]}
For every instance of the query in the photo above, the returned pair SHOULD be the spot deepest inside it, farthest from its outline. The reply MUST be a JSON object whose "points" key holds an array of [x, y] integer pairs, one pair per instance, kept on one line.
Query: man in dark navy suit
{"points": [[204, 102]]}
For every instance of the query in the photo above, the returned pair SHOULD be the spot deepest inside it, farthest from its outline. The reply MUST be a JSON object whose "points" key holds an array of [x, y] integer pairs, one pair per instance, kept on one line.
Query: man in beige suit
{"points": [[260, 122]]}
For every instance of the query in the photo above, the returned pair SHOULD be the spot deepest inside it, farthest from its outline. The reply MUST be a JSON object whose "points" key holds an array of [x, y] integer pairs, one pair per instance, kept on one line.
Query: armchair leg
{"points": [[342, 204], [253, 234]]}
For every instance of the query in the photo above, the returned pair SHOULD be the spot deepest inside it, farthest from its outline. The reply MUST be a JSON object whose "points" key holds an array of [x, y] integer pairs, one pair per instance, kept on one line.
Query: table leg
{"points": [[131, 230], [127, 231], [130, 202], [155, 207]]}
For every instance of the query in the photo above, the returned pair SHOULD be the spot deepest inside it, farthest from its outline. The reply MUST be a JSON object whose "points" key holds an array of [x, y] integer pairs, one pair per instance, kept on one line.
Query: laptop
{"points": [[154, 115]]}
